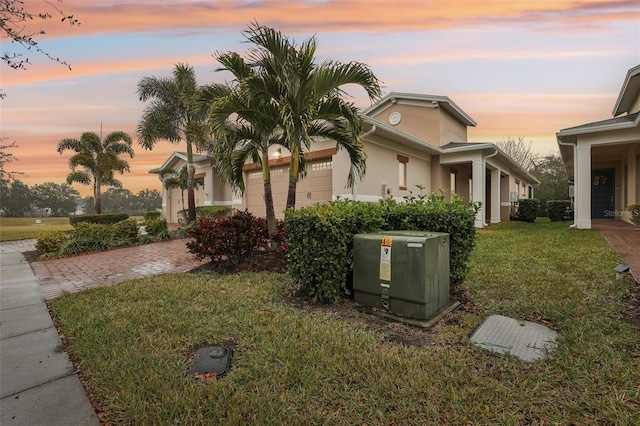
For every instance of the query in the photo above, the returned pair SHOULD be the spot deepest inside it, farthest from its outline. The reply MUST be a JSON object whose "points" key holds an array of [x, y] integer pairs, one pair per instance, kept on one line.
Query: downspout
{"points": [[354, 188], [484, 168], [575, 147]]}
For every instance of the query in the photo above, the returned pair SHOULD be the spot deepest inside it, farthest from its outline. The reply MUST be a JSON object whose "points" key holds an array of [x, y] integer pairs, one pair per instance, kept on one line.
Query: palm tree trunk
{"points": [[268, 200], [191, 197], [293, 178], [97, 195]]}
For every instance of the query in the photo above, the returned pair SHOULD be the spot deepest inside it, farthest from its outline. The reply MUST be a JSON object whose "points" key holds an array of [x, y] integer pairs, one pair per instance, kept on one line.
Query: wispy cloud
{"points": [[334, 15]]}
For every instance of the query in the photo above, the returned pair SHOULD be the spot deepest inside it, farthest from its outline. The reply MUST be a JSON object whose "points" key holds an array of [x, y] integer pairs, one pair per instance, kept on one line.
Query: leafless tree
{"points": [[520, 151]]}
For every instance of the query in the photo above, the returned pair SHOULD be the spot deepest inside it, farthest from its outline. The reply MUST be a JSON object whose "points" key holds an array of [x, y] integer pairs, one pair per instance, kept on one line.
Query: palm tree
{"points": [[172, 179], [95, 161], [310, 98], [245, 125], [172, 115]]}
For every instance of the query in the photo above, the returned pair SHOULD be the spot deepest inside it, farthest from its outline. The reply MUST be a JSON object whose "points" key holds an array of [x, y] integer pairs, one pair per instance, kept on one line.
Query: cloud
{"points": [[107, 17]]}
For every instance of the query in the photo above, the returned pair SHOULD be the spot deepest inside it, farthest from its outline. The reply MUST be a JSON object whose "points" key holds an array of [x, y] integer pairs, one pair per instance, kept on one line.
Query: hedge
{"points": [[320, 238], [320, 245], [104, 219], [557, 208], [527, 210]]}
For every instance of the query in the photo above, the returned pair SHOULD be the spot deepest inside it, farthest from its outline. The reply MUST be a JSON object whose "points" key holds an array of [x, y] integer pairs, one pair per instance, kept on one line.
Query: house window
{"points": [[402, 171], [254, 175], [470, 188], [325, 165]]}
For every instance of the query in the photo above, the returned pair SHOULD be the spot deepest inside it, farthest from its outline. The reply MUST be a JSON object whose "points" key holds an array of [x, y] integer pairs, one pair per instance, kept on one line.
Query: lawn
{"points": [[301, 365], [21, 228]]}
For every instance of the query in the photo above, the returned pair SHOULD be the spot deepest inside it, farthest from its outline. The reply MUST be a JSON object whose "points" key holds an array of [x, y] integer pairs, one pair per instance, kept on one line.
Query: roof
{"points": [[626, 121], [385, 131], [442, 101], [629, 92], [197, 158]]}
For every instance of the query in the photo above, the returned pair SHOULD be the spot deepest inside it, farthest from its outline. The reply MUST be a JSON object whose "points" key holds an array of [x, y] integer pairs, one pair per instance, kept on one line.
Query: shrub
{"points": [[92, 231], [320, 245], [557, 208], [634, 209], [216, 211], [527, 210], [75, 246], [156, 226], [126, 230], [234, 237], [434, 214], [151, 214], [50, 242], [104, 219]]}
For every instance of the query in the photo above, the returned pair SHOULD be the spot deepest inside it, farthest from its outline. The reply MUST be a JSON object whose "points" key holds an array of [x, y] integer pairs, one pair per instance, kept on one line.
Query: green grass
{"points": [[294, 366], [22, 228]]}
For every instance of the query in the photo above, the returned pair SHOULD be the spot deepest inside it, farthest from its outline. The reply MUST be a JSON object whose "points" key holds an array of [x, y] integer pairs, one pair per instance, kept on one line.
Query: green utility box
{"points": [[404, 272]]}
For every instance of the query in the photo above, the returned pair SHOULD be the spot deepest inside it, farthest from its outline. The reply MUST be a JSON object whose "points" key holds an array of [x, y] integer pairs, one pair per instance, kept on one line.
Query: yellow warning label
{"points": [[386, 241]]}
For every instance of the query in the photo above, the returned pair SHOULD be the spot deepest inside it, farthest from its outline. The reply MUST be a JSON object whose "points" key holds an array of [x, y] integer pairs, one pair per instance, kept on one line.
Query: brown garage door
{"points": [[314, 188]]}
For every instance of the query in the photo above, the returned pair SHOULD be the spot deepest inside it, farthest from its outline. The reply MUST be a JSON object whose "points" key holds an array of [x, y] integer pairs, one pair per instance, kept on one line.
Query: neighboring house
{"points": [[602, 159], [213, 193], [410, 140]]}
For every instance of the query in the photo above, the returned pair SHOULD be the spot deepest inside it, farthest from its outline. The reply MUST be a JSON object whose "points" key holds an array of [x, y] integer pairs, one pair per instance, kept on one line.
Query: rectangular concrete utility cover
{"points": [[526, 340]]}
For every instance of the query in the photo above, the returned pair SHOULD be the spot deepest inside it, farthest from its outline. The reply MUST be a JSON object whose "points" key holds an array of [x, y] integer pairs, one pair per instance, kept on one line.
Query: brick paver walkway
{"points": [[71, 274], [625, 239]]}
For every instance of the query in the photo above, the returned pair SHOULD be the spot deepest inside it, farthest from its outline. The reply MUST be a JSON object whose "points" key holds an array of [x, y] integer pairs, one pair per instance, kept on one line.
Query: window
{"points": [[325, 165], [402, 171], [255, 175]]}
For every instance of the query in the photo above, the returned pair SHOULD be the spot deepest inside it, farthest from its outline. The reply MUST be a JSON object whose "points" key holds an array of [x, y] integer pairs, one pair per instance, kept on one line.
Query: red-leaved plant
{"points": [[233, 237]]}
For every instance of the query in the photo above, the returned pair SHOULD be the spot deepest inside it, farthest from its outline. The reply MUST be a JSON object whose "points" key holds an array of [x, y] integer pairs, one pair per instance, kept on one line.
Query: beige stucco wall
{"points": [[451, 130], [419, 121], [382, 169]]}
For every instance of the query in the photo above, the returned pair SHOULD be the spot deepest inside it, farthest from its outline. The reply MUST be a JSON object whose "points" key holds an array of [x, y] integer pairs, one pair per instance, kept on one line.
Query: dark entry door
{"points": [[603, 194]]}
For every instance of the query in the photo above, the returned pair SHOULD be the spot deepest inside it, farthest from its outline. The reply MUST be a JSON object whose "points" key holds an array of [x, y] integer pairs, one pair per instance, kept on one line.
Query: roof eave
{"points": [[620, 107]]}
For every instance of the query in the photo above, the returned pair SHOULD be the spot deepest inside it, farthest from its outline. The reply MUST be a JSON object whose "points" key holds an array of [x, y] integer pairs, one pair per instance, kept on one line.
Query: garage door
{"points": [[314, 188]]}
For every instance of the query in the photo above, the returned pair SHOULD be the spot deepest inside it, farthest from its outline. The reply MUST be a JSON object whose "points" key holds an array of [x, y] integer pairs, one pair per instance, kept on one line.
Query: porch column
{"points": [[209, 192], [582, 186], [478, 178], [495, 196]]}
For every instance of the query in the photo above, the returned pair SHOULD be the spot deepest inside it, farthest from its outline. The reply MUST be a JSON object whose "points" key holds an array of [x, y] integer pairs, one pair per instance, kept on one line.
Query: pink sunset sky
{"points": [[519, 68]]}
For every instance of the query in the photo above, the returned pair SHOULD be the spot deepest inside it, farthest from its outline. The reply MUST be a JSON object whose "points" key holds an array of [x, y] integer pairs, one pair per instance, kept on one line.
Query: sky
{"points": [[520, 69]]}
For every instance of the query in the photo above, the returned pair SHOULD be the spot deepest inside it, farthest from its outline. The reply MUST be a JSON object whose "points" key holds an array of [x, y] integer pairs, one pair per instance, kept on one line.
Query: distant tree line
{"points": [[53, 199]]}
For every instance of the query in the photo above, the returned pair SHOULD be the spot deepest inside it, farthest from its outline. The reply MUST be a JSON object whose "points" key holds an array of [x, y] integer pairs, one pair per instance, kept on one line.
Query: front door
{"points": [[603, 194]]}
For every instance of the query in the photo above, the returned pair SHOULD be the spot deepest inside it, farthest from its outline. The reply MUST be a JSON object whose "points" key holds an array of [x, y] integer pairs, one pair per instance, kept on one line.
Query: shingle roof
{"points": [[618, 120]]}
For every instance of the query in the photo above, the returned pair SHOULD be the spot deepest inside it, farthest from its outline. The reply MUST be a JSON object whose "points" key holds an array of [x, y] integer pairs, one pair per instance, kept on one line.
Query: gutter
{"points": [[354, 188]]}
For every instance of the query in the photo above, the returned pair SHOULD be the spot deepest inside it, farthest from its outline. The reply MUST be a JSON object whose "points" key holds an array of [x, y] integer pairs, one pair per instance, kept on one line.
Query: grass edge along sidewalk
{"points": [[133, 341]]}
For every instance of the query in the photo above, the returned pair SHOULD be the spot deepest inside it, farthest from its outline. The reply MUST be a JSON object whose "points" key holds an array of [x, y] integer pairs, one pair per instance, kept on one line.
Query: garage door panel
{"points": [[314, 188]]}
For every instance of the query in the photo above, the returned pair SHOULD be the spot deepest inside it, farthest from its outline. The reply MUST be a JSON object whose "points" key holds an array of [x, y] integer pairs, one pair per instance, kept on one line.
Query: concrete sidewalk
{"points": [[38, 384]]}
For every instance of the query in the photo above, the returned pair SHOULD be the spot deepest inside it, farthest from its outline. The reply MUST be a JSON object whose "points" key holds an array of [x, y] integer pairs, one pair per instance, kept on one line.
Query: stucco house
{"points": [[410, 139], [602, 159]]}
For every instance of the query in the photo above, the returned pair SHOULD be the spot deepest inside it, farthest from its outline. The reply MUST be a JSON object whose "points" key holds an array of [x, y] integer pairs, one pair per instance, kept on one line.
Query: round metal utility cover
{"points": [[212, 359]]}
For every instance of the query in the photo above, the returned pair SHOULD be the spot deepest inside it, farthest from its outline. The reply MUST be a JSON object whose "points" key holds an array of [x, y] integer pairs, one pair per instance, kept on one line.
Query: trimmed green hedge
{"points": [[320, 238], [104, 219], [434, 214], [527, 210], [556, 209], [151, 214], [320, 245]]}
